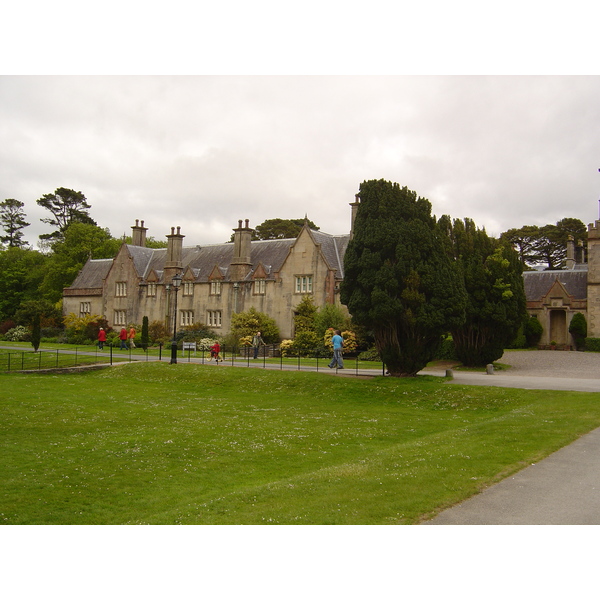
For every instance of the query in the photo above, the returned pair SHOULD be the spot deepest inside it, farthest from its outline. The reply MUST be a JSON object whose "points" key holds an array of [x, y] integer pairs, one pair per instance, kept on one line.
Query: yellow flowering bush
{"points": [[286, 347]]}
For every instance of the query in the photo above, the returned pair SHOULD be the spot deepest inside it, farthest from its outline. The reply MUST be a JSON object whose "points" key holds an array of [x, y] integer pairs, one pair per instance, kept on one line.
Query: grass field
{"points": [[153, 443]]}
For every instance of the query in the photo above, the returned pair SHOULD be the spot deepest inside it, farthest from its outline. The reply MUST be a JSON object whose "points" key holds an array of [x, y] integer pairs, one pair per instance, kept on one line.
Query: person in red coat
{"points": [[101, 338], [215, 349], [123, 338]]}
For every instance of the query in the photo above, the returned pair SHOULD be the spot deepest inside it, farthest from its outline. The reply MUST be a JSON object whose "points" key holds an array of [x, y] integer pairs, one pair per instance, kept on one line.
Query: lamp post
{"points": [[175, 283]]}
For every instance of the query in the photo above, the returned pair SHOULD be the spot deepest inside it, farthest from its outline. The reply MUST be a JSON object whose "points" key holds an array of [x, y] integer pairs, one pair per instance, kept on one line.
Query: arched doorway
{"points": [[558, 327]]}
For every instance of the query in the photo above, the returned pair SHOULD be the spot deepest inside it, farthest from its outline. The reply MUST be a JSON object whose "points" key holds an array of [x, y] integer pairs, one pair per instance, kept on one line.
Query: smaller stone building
{"points": [[555, 296]]}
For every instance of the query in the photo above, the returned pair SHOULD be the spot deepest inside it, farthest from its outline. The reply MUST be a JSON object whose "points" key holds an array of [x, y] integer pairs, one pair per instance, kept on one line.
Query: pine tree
{"points": [[399, 281], [12, 220], [66, 206]]}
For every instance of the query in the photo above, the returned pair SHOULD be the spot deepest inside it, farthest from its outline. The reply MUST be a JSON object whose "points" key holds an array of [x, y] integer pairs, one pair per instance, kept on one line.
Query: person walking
{"points": [[338, 347], [123, 338], [101, 338], [215, 350], [257, 342], [131, 335]]}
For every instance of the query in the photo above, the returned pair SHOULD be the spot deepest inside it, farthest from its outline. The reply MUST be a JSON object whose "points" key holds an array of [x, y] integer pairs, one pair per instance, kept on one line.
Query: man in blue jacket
{"points": [[338, 346]]}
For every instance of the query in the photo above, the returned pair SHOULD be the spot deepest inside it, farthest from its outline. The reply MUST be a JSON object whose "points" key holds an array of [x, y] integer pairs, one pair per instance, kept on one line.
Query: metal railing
{"points": [[58, 358], [269, 357]]}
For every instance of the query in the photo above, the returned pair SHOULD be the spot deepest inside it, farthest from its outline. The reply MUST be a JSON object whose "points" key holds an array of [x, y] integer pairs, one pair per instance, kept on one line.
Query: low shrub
{"points": [[533, 331], [592, 344], [578, 329], [18, 334], [519, 342], [370, 354]]}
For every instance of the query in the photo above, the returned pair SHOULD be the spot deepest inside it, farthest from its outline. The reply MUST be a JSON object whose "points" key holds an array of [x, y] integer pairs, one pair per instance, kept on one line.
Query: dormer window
{"points": [[215, 288]]}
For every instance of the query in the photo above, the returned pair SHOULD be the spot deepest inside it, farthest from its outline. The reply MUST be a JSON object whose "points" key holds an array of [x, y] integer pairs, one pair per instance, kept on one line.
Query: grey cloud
{"points": [[203, 152]]}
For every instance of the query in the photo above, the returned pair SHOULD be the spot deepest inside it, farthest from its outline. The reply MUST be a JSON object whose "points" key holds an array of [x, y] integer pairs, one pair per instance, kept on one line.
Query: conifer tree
{"points": [[578, 329], [399, 281], [12, 220], [493, 279], [67, 207], [145, 334]]}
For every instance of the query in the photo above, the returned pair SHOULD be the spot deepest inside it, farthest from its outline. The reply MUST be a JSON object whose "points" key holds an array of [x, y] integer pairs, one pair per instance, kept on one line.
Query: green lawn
{"points": [[199, 444]]}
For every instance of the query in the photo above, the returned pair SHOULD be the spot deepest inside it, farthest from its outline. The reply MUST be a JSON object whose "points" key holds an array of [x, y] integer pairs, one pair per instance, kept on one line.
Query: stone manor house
{"points": [[218, 280], [273, 276]]}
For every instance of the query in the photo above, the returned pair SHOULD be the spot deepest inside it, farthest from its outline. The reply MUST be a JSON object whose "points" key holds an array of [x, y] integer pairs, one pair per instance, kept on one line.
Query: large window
{"points": [[304, 284], [215, 288], [85, 308], [187, 318], [213, 318], [121, 289], [120, 317]]}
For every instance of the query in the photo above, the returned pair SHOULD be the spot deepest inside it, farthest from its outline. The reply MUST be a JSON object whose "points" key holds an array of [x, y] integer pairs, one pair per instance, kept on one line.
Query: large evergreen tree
{"points": [[493, 279], [399, 280], [546, 245], [12, 220], [66, 206]]}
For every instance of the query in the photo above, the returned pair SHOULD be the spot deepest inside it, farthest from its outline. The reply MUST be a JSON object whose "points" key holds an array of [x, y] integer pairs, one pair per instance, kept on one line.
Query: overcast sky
{"points": [[202, 152]]}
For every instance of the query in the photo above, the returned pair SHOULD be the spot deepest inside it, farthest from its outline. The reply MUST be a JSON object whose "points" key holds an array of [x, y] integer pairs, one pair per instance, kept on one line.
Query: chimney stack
{"points": [[173, 264], [241, 263], [138, 236], [354, 206]]}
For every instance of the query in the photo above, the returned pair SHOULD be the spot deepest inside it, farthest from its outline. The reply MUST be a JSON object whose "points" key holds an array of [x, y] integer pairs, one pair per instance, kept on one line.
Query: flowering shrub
{"points": [[286, 347], [246, 340], [306, 342], [84, 330], [18, 334]]}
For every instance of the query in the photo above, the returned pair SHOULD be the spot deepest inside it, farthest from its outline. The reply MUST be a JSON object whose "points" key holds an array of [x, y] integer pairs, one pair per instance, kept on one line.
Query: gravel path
{"points": [[548, 363]]}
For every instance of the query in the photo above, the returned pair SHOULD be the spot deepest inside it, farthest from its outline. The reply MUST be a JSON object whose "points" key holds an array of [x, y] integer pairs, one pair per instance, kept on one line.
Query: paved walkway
{"points": [[563, 489]]}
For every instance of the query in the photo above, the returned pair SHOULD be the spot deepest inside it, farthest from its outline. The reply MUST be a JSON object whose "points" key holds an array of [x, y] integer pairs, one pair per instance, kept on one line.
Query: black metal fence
{"points": [[268, 357], [271, 357], [28, 360]]}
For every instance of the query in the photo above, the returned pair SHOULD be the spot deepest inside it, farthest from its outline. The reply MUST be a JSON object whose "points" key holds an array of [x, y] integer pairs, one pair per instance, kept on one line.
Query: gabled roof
{"points": [[538, 283], [202, 260], [93, 273], [141, 257], [333, 248]]}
